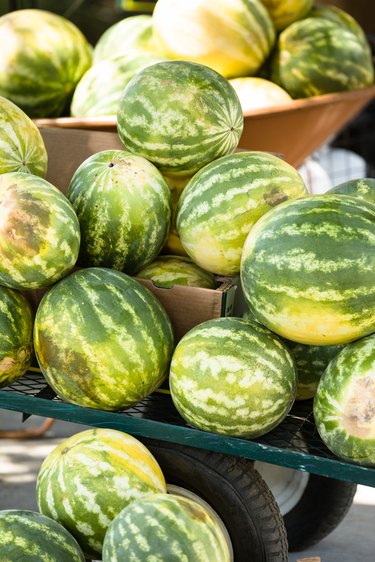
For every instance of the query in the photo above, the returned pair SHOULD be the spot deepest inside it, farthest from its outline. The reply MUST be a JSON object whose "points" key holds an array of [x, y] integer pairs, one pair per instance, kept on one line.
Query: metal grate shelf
{"points": [[294, 443]]}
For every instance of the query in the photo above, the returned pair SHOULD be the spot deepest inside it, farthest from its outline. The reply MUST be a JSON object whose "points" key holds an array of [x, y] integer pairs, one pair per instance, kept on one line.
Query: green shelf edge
{"points": [[151, 429]]}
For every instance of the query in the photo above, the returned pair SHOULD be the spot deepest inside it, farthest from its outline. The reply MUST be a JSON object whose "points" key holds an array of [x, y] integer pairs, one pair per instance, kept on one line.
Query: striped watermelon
{"points": [[285, 12], [16, 342], [100, 88], [364, 188], [129, 35], [21, 145], [339, 17], [43, 56], [90, 477], [318, 56], [27, 535], [233, 37], [308, 268], [102, 340], [39, 232], [255, 93], [167, 271], [197, 119], [163, 527], [124, 210], [224, 200], [233, 377], [344, 405], [173, 244]]}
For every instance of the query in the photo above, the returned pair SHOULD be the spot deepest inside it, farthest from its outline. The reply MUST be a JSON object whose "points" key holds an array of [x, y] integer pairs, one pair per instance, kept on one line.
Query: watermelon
{"points": [[90, 477], [233, 37], [167, 271], [173, 244], [21, 145], [255, 93], [43, 56], [318, 56], [308, 266], [340, 17], [224, 200], [124, 210], [27, 535], [344, 404], [233, 377], [102, 340], [39, 232], [16, 341], [129, 35], [100, 88], [197, 118], [364, 188], [285, 12], [163, 527]]}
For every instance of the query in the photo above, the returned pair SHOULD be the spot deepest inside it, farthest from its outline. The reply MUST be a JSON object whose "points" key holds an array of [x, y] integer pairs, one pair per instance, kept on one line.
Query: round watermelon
{"points": [[197, 118], [344, 404], [223, 201], [39, 232], [43, 56], [256, 93], [167, 271], [124, 209], [102, 340], [171, 527], [285, 12], [233, 37], [364, 188], [308, 268], [173, 244], [90, 477], [233, 377], [16, 341], [21, 145], [27, 535], [100, 88]]}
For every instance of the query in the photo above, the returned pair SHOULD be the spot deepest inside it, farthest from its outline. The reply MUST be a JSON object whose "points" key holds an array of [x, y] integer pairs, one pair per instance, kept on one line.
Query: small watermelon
{"points": [[90, 477], [173, 244], [167, 271], [171, 527], [255, 93], [285, 12], [364, 188]]}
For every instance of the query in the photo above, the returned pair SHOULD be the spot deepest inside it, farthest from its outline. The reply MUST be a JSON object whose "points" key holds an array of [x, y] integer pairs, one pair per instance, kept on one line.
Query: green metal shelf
{"points": [[156, 418]]}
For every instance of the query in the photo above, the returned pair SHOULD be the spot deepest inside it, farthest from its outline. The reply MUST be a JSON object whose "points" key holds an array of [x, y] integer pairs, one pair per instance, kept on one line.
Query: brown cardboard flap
{"points": [[310, 559]]}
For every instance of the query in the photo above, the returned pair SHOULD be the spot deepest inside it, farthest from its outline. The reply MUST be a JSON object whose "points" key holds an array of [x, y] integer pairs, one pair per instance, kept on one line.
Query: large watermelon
{"points": [[30, 536], [364, 188], [233, 37], [39, 232], [21, 145], [285, 12], [344, 404], [233, 377], [100, 88], [167, 271], [224, 200], [102, 340], [308, 268], [43, 56], [180, 115], [165, 527], [90, 477], [16, 341], [255, 93], [123, 205]]}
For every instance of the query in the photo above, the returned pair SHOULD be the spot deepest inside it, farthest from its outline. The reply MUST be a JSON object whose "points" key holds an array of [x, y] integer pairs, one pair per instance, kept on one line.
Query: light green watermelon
{"points": [[180, 116], [90, 477], [30, 536], [364, 188], [285, 12], [165, 527], [223, 201], [124, 209], [233, 377], [308, 266], [16, 341], [344, 404], [167, 271], [102, 340], [99, 91], [21, 145], [39, 232], [43, 57], [129, 35]]}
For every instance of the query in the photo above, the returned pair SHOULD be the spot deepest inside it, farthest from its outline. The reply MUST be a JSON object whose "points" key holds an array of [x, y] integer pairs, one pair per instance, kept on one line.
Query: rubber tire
{"points": [[236, 491]]}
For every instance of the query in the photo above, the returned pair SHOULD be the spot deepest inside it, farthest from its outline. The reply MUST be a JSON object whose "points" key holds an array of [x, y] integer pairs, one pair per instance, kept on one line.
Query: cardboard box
{"points": [[186, 306]]}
